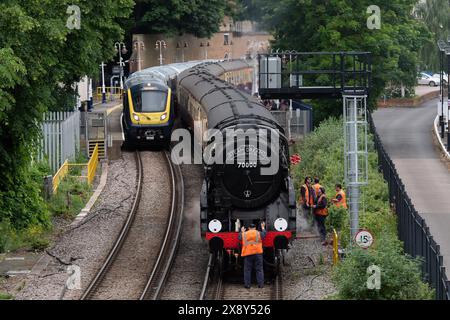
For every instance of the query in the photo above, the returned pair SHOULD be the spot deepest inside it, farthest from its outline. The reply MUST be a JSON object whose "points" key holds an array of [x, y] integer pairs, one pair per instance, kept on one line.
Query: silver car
{"points": [[445, 75], [428, 80]]}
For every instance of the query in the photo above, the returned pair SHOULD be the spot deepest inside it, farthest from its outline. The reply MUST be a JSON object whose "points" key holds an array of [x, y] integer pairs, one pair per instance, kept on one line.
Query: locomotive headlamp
{"points": [[215, 226], [164, 116], [280, 224], [136, 117]]}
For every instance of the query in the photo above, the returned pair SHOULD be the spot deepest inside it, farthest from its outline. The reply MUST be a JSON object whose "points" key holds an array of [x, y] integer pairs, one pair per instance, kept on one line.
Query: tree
{"points": [[200, 18], [40, 59], [341, 25], [436, 15]]}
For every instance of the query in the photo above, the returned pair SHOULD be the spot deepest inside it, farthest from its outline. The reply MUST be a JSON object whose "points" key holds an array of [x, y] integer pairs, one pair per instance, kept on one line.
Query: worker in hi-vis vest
{"points": [[340, 199], [252, 252], [320, 214], [307, 197]]}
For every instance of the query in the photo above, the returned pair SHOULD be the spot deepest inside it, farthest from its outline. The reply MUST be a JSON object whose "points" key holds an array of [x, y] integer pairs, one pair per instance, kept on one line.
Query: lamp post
{"points": [[121, 49], [206, 49], [442, 46], [103, 65], [138, 46], [447, 52], [160, 44], [184, 46]]}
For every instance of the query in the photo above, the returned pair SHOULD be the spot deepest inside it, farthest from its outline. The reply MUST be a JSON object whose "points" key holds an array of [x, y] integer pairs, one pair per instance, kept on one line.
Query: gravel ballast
{"points": [[86, 245]]}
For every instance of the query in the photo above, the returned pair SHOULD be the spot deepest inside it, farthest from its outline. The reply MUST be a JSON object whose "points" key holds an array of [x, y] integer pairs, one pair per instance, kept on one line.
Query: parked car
{"points": [[426, 79], [436, 75]]}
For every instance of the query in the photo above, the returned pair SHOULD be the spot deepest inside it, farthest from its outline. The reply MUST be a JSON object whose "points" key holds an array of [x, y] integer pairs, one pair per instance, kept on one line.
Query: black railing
{"points": [[412, 228]]}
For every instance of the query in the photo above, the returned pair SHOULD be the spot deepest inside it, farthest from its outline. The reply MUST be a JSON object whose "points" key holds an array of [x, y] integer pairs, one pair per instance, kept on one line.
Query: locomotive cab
{"points": [[148, 110]]}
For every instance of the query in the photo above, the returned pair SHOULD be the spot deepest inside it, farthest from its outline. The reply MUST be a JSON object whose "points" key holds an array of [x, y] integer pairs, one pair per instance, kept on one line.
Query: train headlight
{"points": [[280, 224], [215, 226], [136, 117], [164, 116]]}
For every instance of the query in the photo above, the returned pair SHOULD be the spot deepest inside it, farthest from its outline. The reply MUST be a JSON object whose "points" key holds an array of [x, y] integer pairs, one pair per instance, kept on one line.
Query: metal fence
{"points": [[60, 137], [296, 124], [412, 228]]}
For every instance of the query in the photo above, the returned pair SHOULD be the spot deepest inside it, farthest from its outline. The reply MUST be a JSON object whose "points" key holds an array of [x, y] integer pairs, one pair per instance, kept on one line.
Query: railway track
{"points": [[130, 262], [215, 287]]}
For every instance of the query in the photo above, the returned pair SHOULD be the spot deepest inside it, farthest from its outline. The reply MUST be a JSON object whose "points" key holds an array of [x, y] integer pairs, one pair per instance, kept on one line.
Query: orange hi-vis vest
{"points": [[251, 243], [343, 201], [316, 187], [309, 199], [321, 211]]}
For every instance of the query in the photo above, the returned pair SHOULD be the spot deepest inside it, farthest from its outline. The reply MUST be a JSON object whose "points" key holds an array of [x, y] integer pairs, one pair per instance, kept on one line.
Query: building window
{"points": [[226, 39]]}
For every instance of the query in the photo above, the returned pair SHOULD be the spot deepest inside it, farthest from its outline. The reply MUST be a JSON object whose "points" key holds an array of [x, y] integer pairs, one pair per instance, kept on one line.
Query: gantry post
{"points": [[355, 148]]}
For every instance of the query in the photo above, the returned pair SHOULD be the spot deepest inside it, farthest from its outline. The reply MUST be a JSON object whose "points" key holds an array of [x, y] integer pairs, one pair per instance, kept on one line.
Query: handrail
{"points": [[63, 171]]}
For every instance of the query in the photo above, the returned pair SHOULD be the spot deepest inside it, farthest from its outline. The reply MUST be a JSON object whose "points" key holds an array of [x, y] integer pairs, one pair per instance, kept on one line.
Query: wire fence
{"points": [[60, 138], [412, 228]]}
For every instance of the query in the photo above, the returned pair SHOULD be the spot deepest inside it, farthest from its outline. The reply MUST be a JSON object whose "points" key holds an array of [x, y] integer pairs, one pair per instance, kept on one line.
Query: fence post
{"points": [[48, 187]]}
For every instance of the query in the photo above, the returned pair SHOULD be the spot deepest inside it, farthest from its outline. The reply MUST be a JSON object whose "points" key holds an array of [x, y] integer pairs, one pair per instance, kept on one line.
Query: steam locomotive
{"points": [[248, 180]]}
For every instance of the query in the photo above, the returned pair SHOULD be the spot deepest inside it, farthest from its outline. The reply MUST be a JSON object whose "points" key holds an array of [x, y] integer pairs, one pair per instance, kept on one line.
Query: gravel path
{"points": [[87, 244], [188, 271], [130, 271], [308, 273]]}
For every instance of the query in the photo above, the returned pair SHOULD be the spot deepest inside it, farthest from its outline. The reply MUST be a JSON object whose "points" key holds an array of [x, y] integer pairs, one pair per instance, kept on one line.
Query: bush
{"points": [[322, 154], [400, 274], [23, 205]]}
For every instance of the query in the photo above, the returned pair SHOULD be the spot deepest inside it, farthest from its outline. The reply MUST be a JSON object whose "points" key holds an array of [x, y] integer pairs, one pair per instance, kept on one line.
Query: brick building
{"points": [[234, 40]]}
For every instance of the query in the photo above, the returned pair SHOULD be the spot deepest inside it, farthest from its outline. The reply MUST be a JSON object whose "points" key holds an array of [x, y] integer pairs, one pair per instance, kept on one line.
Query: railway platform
{"points": [[407, 135]]}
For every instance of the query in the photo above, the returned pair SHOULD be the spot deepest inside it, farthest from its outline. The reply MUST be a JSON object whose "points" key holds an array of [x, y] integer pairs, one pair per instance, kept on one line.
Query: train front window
{"points": [[149, 101]]}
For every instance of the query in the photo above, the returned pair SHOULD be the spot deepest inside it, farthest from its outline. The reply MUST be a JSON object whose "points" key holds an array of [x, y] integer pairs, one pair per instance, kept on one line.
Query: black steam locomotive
{"points": [[248, 180]]}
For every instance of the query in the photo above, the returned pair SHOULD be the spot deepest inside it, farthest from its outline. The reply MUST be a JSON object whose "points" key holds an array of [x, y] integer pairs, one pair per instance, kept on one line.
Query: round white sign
{"points": [[364, 239], [215, 226]]}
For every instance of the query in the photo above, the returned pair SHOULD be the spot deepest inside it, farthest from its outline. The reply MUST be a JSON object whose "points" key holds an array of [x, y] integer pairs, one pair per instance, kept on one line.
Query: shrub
{"points": [[322, 154], [400, 274]]}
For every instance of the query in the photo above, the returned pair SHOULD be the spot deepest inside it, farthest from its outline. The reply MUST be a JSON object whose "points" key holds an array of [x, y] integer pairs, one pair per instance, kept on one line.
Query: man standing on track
{"points": [[252, 252]]}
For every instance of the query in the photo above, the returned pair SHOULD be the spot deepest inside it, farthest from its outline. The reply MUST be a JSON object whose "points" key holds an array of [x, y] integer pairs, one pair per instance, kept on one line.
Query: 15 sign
{"points": [[364, 239]]}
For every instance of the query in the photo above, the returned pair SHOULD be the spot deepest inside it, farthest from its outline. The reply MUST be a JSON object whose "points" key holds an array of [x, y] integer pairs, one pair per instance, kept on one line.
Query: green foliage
{"points": [[400, 274], [322, 155], [6, 296], [40, 59], [341, 25], [71, 197], [436, 15], [200, 18]]}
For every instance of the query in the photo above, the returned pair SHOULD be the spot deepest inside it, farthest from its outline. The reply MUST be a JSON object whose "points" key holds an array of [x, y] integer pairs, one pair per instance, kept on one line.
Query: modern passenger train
{"points": [[149, 106]]}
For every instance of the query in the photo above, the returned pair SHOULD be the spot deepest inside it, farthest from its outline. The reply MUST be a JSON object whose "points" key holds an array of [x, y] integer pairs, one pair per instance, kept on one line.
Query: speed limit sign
{"points": [[364, 239]]}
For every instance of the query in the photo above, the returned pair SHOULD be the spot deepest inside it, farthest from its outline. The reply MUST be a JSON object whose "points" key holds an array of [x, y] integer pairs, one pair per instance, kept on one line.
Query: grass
{"points": [[71, 197], [6, 296]]}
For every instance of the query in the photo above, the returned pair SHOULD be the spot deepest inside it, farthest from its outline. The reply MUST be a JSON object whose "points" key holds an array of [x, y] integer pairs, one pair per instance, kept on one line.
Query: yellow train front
{"points": [[148, 114]]}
